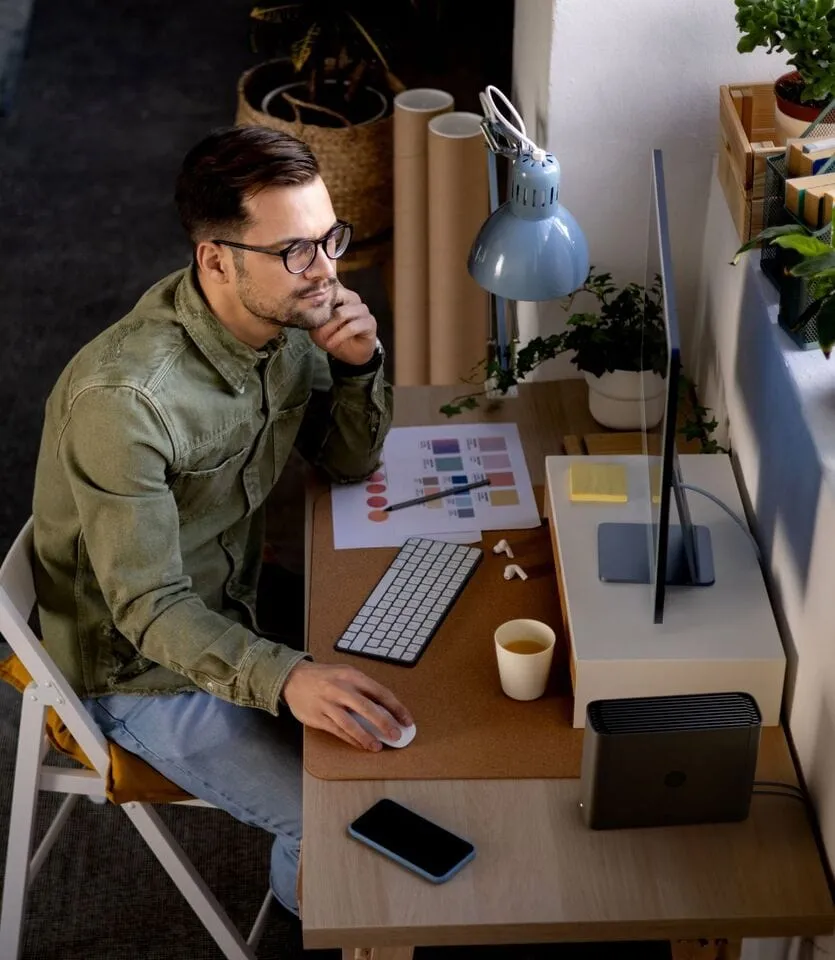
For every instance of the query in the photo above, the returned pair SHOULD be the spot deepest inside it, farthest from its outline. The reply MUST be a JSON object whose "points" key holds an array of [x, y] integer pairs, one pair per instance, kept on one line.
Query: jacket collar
{"points": [[232, 358]]}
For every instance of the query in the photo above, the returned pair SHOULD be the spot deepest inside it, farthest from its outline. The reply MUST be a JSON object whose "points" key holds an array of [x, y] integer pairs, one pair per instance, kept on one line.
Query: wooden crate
{"points": [[746, 123]]}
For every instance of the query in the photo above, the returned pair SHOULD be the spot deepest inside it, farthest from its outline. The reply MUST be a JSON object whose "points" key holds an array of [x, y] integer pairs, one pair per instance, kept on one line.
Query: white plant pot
{"points": [[298, 90], [615, 399], [786, 127]]}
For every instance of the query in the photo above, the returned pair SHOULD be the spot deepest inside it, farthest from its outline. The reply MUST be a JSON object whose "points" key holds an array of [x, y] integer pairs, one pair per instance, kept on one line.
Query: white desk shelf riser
{"points": [[713, 639]]}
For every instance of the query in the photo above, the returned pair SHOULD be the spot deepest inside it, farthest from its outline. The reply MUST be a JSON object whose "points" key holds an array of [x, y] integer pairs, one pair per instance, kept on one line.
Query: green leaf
{"points": [[826, 325], [301, 50], [814, 266], [807, 317], [458, 405], [747, 44], [805, 246], [770, 234]]}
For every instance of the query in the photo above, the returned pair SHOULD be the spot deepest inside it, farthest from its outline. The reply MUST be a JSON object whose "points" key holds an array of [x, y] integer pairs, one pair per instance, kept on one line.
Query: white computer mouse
{"points": [[407, 734]]}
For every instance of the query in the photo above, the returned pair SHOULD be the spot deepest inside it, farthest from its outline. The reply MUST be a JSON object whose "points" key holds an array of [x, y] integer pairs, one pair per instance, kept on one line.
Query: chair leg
{"points": [[257, 930], [24, 801], [51, 834], [189, 882]]}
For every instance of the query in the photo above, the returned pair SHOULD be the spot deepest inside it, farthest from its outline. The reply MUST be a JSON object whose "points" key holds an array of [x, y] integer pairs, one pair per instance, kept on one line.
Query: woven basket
{"points": [[355, 161]]}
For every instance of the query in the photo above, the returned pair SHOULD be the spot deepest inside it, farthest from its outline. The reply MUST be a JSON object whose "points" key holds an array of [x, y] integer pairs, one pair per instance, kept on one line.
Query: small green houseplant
{"points": [[805, 29], [816, 265], [606, 342]]}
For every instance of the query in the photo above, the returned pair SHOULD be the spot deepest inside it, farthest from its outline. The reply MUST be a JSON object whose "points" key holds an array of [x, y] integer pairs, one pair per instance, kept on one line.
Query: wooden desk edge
{"points": [[729, 928]]}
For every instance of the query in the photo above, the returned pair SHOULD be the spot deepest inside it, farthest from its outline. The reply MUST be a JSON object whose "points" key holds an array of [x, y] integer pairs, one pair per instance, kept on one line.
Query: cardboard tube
{"points": [[458, 206], [413, 109]]}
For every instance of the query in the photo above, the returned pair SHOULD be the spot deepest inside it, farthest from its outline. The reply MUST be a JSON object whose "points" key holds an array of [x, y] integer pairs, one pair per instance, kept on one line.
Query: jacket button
{"points": [[210, 685]]}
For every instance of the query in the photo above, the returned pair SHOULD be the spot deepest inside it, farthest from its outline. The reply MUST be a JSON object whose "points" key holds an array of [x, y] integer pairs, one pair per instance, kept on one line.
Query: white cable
{"points": [[487, 107], [516, 130], [738, 520]]}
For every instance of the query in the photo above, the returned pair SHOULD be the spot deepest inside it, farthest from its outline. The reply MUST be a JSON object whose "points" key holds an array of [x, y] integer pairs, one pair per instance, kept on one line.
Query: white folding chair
{"points": [[49, 688]]}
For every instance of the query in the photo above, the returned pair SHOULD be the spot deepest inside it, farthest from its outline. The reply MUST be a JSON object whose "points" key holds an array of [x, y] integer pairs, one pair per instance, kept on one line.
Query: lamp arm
{"points": [[498, 313]]}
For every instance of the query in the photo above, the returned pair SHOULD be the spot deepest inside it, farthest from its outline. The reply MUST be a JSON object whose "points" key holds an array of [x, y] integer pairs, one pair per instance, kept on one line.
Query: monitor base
{"points": [[623, 555]]}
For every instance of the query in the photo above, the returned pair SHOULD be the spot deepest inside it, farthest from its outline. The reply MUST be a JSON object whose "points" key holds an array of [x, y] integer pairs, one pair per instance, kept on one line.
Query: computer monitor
{"points": [[657, 552]]}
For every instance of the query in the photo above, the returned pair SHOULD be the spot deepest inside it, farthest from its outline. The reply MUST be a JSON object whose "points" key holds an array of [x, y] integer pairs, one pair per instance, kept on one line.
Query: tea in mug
{"points": [[523, 645]]}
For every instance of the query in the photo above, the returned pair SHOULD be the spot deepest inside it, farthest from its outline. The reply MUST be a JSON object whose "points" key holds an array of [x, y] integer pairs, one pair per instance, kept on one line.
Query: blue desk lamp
{"points": [[530, 247]]}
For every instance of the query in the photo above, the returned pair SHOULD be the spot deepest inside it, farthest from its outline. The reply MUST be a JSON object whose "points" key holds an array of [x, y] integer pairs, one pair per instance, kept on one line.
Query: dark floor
{"points": [[109, 98]]}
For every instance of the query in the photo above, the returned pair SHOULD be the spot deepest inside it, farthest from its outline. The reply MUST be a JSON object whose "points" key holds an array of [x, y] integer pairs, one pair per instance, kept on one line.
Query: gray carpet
{"points": [[14, 24], [109, 98]]}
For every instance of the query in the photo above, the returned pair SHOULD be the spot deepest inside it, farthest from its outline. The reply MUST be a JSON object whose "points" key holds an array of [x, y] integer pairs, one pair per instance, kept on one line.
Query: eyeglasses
{"points": [[300, 254]]}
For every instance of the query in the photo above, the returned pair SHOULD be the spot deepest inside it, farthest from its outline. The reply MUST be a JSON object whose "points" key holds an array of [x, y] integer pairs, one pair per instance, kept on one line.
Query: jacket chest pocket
{"points": [[199, 492], [285, 430]]}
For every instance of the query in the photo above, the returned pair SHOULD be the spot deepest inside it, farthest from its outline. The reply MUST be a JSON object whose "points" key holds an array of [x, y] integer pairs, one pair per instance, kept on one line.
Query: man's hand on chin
{"points": [[351, 333]]}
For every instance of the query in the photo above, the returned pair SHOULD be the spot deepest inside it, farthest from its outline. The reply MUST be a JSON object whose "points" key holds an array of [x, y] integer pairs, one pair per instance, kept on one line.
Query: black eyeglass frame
{"points": [[284, 254]]}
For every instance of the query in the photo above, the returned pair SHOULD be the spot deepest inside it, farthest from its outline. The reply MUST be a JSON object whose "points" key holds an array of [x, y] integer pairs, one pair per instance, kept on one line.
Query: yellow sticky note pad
{"points": [[598, 483], [655, 482]]}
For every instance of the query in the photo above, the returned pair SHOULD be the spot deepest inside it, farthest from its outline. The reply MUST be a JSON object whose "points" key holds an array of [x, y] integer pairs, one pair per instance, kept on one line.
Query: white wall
{"points": [[622, 77]]}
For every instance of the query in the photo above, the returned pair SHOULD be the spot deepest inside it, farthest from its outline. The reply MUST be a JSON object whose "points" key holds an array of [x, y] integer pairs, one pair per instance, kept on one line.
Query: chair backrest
{"points": [[17, 599]]}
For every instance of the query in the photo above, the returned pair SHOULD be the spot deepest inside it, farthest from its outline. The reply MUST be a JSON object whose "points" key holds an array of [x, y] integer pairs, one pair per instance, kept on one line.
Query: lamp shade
{"points": [[531, 247]]}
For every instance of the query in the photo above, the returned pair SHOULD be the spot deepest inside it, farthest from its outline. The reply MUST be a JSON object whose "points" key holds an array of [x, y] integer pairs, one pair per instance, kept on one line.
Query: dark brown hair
{"points": [[227, 168]]}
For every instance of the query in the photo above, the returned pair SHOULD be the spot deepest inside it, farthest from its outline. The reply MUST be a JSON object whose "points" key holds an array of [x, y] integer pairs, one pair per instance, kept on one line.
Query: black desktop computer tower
{"points": [[659, 761]]}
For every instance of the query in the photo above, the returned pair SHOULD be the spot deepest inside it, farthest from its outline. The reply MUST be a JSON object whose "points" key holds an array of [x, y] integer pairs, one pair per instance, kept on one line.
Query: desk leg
{"points": [[377, 953]]}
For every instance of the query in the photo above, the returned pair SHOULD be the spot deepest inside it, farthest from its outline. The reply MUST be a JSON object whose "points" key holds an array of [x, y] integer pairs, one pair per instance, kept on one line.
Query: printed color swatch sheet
{"points": [[420, 461]]}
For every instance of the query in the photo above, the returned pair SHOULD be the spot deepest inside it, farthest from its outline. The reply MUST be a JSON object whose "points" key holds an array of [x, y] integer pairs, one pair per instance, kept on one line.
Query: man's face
{"points": [[274, 296]]}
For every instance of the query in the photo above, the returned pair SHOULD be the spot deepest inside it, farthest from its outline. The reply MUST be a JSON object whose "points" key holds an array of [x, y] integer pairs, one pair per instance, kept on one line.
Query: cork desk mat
{"points": [[466, 727]]}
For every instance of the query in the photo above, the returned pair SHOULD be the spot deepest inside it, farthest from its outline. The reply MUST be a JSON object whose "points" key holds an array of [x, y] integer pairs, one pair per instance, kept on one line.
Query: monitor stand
{"points": [[624, 549]]}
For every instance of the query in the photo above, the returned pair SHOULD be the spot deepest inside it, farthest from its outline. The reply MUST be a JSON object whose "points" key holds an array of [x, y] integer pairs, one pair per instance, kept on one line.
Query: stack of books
{"points": [[810, 183]]}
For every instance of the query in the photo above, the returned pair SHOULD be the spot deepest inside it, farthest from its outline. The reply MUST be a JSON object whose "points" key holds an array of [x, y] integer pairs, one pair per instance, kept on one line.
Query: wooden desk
{"points": [[539, 875]]}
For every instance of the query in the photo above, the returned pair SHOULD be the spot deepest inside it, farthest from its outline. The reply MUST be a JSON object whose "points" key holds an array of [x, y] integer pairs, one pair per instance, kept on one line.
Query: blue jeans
{"points": [[240, 759]]}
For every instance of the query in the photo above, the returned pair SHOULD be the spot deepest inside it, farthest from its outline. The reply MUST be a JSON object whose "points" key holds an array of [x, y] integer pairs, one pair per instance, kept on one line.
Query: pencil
{"points": [[437, 496]]}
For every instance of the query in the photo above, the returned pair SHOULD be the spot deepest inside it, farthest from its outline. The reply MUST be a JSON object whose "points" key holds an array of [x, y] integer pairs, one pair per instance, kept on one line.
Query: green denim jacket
{"points": [[161, 440]]}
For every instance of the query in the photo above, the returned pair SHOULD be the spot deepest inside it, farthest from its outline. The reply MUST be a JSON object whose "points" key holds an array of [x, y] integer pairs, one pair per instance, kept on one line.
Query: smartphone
{"points": [[412, 841]]}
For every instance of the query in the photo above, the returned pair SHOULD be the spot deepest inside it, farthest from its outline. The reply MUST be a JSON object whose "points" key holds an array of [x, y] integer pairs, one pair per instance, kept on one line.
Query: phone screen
{"points": [[410, 838]]}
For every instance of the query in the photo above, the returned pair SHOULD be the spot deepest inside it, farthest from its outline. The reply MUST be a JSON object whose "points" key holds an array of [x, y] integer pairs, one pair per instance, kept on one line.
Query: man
{"points": [[161, 441]]}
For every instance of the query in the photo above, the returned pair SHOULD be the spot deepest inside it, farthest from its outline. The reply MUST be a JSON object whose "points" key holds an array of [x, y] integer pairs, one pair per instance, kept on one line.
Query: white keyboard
{"points": [[410, 601]]}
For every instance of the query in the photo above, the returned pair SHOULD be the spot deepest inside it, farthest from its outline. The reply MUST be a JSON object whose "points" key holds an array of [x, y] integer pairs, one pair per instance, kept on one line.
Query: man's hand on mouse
{"points": [[320, 695], [351, 333]]}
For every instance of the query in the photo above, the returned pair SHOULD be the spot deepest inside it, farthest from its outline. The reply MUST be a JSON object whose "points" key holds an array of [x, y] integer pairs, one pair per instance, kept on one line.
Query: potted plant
{"points": [[806, 30], [621, 349], [810, 281], [327, 80], [339, 75]]}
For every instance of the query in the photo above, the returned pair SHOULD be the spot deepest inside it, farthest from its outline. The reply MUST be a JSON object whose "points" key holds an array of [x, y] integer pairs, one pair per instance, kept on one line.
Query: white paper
{"points": [[421, 460]]}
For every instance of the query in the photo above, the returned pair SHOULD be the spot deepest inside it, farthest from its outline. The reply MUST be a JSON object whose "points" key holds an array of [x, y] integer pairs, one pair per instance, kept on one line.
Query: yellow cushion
{"points": [[128, 777]]}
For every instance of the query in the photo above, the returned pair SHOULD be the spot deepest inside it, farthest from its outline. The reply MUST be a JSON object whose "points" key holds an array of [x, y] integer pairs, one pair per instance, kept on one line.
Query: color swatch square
{"points": [[501, 479], [445, 446], [504, 498], [495, 461], [466, 514], [448, 464], [491, 444], [429, 482]]}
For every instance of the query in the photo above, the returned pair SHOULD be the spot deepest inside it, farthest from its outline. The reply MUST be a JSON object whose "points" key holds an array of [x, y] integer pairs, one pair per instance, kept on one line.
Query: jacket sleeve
{"points": [[347, 419], [117, 452]]}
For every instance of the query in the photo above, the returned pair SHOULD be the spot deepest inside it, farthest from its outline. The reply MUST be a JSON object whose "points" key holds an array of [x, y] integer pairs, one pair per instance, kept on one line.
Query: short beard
{"points": [[288, 311]]}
